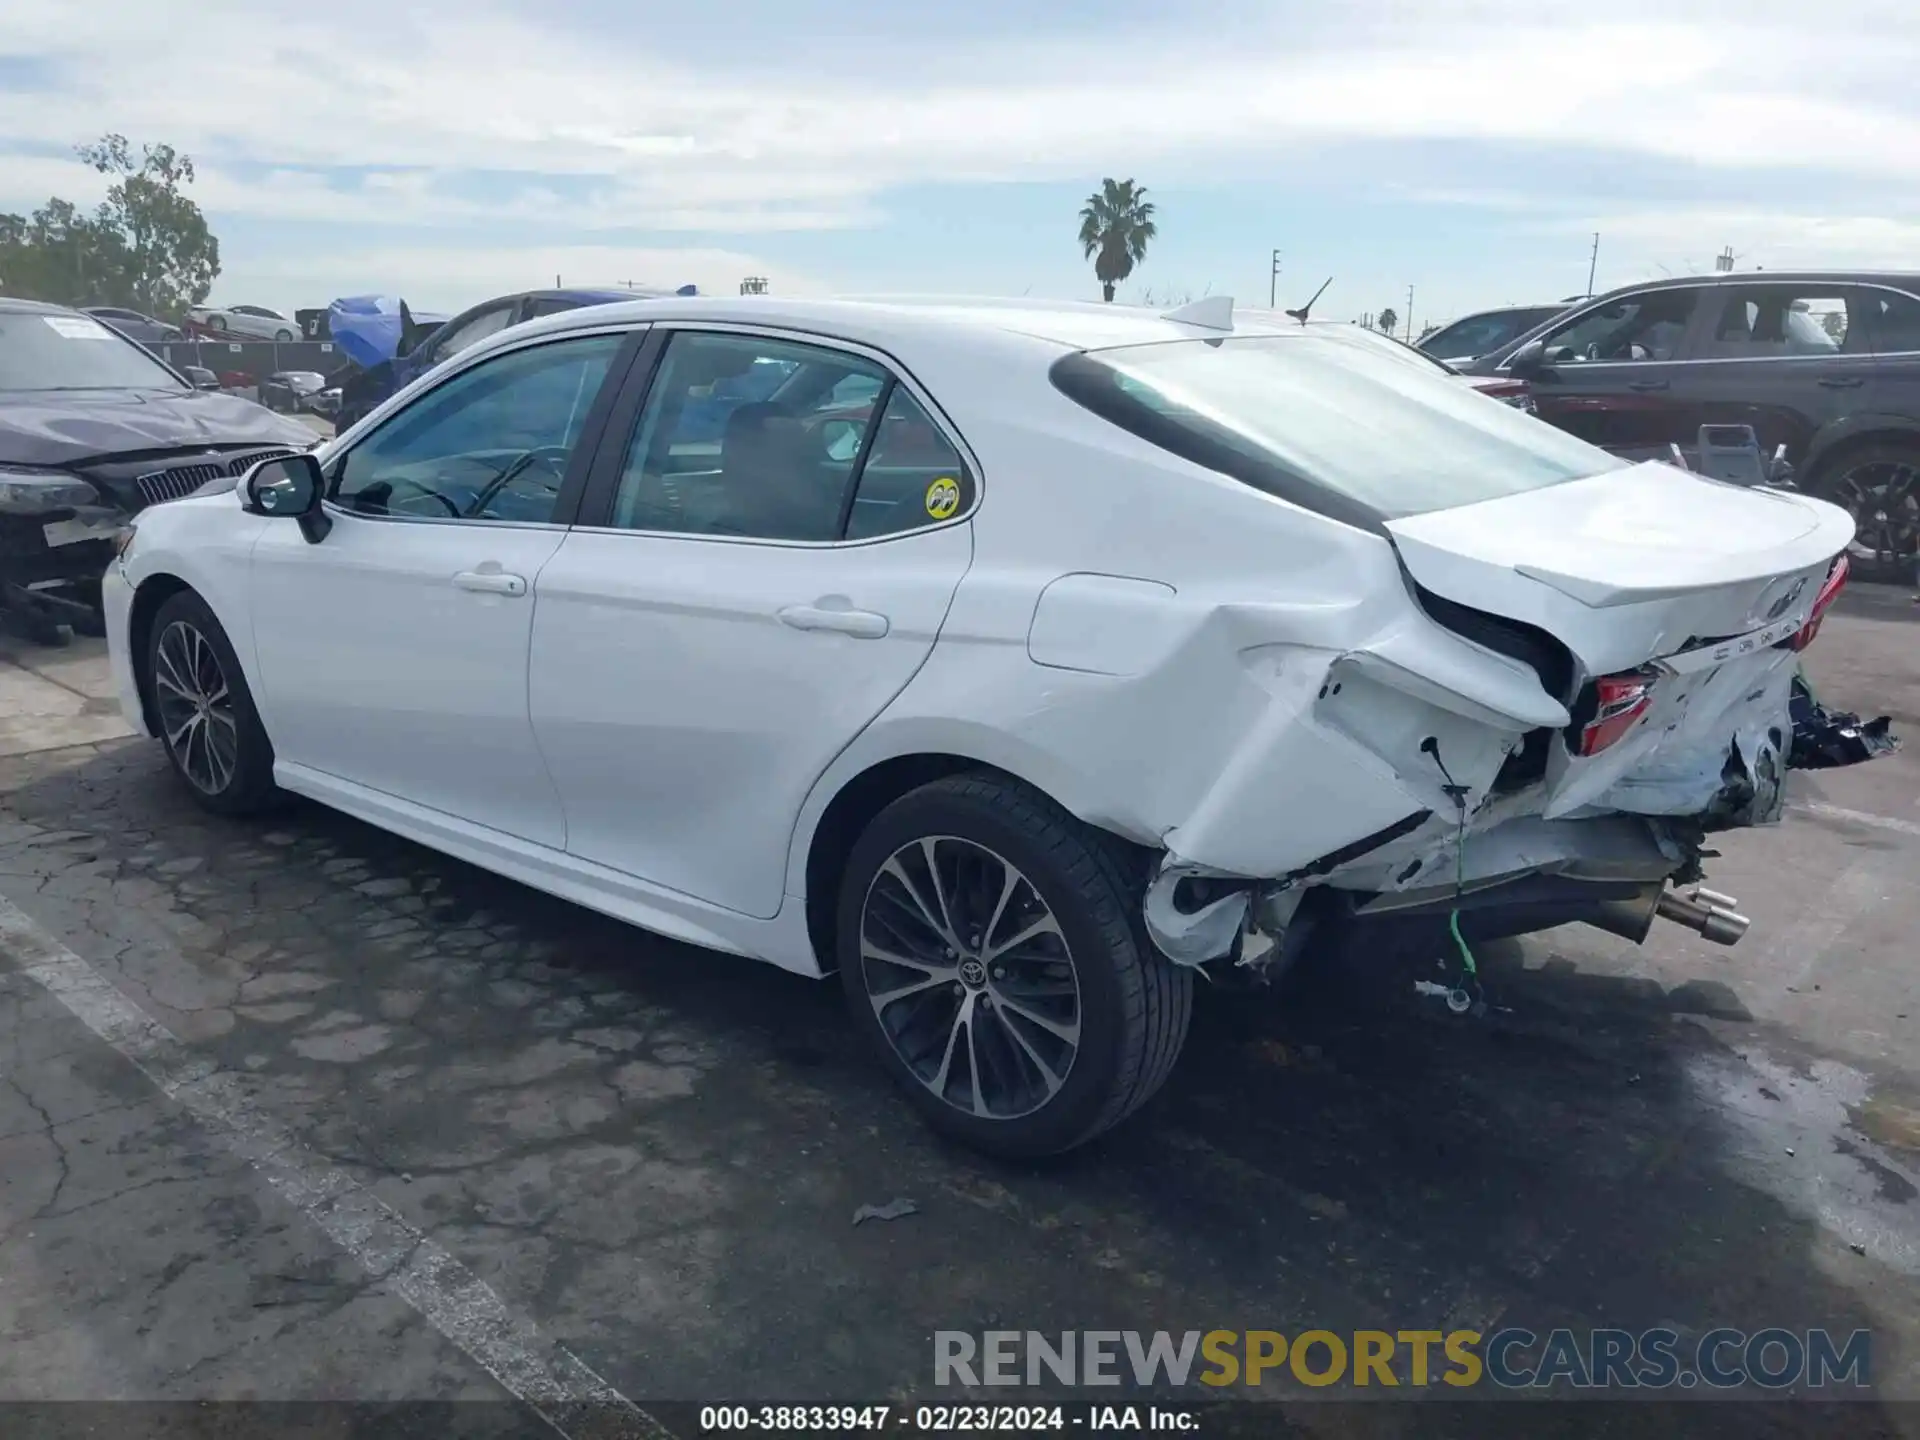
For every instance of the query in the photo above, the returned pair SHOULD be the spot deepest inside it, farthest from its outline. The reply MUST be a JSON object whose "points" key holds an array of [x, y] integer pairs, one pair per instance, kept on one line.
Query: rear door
{"points": [[1612, 371], [754, 578], [1787, 359]]}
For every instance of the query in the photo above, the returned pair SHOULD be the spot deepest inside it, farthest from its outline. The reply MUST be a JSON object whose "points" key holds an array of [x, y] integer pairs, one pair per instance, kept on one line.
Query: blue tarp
{"points": [[367, 328]]}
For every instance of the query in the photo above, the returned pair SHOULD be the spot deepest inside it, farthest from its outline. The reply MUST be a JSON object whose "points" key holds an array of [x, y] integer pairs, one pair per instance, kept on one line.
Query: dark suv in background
{"points": [[1826, 364]]}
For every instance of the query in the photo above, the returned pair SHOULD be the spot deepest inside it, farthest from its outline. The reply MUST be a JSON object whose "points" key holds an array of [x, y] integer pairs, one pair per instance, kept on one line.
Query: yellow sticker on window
{"points": [[943, 498]]}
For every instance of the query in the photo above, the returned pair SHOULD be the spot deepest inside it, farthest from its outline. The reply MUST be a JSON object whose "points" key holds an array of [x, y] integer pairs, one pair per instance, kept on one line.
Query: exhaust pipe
{"points": [[1708, 912]]}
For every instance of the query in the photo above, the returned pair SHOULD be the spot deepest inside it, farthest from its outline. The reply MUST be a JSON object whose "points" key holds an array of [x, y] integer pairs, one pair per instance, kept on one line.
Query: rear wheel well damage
{"points": [[154, 592], [865, 796]]}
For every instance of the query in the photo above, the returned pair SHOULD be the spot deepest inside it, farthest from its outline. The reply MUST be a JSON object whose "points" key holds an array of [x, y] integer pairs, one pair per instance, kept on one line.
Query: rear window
{"points": [[1328, 424], [61, 350]]}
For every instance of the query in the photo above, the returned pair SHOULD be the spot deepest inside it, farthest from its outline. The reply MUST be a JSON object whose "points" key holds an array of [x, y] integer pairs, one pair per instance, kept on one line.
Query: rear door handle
{"points": [[491, 582], [861, 624], [1645, 385], [1842, 382]]}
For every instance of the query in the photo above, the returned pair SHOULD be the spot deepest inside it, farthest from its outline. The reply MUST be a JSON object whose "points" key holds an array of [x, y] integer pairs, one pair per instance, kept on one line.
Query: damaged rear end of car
{"points": [[1595, 670]]}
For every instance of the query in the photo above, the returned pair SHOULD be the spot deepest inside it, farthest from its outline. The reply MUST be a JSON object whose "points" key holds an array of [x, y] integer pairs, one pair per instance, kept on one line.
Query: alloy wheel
{"points": [[196, 708], [1883, 496], [970, 975]]}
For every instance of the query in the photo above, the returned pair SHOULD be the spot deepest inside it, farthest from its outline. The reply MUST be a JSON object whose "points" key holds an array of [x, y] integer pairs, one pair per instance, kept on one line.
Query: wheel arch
{"points": [[1853, 434], [153, 592], [853, 791]]}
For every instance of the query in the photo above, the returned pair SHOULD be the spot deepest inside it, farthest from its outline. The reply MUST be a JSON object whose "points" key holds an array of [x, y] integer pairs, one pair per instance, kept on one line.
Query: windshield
{"points": [[55, 351], [1329, 424], [1483, 334]]}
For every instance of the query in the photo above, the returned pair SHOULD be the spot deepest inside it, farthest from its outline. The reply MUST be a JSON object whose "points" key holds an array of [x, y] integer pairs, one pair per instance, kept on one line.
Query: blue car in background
{"points": [[389, 346]]}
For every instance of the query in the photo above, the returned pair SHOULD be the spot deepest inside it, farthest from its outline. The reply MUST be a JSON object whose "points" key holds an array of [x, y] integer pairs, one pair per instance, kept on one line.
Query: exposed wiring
{"points": [[1458, 794]]}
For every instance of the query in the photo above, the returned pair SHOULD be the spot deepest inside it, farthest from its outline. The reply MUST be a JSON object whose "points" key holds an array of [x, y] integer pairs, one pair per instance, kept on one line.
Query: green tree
{"points": [[146, 247], [1115, 225], [1387, 321]]}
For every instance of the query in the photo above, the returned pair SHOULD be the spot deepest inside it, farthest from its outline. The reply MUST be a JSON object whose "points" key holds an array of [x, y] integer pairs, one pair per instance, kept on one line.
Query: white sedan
{"points": [[254, 321], [1021, 663]]}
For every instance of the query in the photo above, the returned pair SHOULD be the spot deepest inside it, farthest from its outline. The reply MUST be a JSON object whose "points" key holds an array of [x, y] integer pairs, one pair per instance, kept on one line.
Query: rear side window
{"points": [[1327, 424], [757, 438], [1894, 319], [913, 475]]}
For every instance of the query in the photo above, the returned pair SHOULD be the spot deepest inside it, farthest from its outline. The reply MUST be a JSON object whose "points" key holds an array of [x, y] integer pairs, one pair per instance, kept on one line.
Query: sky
{"points": [[1468, 150]]}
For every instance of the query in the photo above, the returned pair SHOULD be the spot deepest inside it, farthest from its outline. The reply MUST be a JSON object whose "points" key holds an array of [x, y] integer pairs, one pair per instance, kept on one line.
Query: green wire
{"points": [[1459, 889]]}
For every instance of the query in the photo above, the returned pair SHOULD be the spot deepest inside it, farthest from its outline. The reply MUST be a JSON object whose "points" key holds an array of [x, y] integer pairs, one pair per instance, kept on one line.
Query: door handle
{"points": [[861, 624], [1842, 382], [1646, 385], [491, 582]]}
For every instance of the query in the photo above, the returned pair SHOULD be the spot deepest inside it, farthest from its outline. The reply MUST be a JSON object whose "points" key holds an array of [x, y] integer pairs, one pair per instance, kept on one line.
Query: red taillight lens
{"points": [[1623, 701], [1830, 589]]}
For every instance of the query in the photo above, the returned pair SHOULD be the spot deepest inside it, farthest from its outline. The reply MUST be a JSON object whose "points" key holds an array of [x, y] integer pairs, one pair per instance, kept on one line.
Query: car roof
{"points": [[1903, 279], [887, 321], [33, 307], [594, 296]]}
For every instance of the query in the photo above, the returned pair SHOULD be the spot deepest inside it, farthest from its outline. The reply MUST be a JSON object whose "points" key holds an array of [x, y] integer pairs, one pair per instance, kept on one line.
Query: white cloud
{"points": [[451, 87], [572, 126]]}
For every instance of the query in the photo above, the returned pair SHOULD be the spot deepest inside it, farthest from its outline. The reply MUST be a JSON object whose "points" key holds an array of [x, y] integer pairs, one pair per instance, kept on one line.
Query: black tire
{"points": [[1130, 1004], [188, 651], [284, 337], [1875, 479]]}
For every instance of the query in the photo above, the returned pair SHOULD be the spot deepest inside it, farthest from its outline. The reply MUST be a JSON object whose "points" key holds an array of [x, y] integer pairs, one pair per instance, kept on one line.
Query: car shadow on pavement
{"points": [[657, 1151]]}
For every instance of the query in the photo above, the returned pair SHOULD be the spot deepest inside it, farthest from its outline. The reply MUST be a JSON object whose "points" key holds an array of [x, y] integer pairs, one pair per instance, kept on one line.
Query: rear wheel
{"points": [[1879, 485], [208, 723], [991, 949]]}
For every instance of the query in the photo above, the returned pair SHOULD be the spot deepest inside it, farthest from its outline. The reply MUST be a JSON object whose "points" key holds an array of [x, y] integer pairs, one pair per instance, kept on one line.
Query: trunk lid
{"points": [[1630, 565]]}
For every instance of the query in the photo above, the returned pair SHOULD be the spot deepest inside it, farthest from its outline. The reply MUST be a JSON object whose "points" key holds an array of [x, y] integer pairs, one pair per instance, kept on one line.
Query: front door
{"points": [[1614, 374], [393, 653], [765, 571]]}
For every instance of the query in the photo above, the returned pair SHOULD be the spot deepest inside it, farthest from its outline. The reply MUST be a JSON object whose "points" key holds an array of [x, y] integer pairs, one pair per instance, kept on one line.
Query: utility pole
{"points": [[1273, 281], [1593, 262], [1409, 314]]}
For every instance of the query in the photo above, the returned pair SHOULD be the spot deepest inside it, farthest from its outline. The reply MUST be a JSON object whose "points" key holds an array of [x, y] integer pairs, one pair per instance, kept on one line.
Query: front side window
{"points": [[1768, 321], [744, 436], [1634, 327], [492, 444], [1327, 424]]}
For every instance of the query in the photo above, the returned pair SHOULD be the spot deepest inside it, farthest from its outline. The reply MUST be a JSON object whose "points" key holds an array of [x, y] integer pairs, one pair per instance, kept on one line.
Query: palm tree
{"points": [[1388, 320], [1115, 225]]}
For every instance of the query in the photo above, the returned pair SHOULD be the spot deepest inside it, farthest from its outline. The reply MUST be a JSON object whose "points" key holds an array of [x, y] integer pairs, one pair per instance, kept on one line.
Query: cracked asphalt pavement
{"points": [[654, 1153]]}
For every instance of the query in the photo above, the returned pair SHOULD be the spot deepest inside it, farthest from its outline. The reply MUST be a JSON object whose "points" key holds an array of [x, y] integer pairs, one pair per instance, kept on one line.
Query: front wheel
{"points": [[991, 949], [208, 723]]}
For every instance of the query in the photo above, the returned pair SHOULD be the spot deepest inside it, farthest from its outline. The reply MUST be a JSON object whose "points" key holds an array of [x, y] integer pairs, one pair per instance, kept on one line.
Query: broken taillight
{"points": [[1830, 589], [1622, 701]]}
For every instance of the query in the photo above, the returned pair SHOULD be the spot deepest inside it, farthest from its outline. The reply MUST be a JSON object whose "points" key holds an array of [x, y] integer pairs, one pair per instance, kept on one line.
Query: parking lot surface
{"points": [[607, 1158]]}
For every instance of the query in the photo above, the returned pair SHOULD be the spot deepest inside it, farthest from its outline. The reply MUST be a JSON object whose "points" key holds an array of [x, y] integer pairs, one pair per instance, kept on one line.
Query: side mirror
{"points": [[290, 486], [1529, 361]]}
